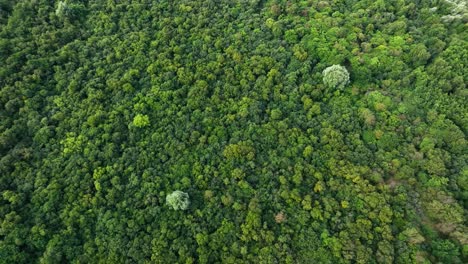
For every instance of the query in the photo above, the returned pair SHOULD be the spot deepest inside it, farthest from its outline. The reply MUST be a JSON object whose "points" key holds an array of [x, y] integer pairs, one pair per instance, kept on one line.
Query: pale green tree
{"points": [[141, 120], [178, 200], [335, 76]]}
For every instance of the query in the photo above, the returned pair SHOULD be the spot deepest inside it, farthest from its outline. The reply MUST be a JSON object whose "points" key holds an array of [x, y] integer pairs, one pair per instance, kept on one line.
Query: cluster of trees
{"points": [[296, 131]]}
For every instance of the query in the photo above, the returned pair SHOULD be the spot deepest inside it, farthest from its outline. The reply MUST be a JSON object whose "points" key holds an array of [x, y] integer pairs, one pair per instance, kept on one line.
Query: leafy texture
{"points": [[108, 106], [335, 76], [178, 200]]}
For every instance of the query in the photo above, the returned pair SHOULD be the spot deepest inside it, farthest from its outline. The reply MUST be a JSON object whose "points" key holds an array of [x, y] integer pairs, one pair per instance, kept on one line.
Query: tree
{"points": [[445, 251], [141, 120], [65, 9], [335, 76], [62, 9], [178, 200]]}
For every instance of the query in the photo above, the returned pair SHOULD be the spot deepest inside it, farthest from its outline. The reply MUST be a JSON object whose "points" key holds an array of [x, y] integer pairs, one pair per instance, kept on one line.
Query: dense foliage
{"points": [[335, 76], [108, 106], [178, 200]]}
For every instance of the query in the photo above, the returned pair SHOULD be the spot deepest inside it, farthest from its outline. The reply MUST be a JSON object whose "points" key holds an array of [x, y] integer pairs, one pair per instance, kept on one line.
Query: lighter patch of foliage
{"points": [[62, 9], [65, 9], [141, 120], [335, 76], [178, 200], [459, 10]]}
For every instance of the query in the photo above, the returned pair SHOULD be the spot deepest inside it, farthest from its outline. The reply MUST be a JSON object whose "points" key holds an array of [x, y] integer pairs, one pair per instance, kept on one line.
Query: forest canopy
{"points": [[228, 131]]}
